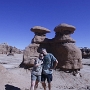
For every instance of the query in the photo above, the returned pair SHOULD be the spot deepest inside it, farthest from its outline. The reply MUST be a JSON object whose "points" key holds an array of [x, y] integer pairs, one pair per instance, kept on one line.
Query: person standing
{"points": [[49, 63], [36, 72]]}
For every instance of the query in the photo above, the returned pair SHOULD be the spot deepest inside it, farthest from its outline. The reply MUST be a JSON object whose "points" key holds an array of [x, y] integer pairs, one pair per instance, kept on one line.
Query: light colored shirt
{"points": [[37, 70]]}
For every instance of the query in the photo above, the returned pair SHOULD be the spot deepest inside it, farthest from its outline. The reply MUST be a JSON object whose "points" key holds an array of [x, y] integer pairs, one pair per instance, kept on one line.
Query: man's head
{"points": [[43, 51]]}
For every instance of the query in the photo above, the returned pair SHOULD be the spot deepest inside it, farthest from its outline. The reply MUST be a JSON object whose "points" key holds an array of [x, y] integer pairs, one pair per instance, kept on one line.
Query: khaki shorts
{"points": [[35, 77]]}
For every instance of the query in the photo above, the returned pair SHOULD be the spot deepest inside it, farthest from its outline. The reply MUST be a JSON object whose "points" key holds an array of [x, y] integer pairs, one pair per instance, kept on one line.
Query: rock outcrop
{"points": [[68, 55], [85, 52], [62, 46], [40, 34], [32, 51], [6, 49]]}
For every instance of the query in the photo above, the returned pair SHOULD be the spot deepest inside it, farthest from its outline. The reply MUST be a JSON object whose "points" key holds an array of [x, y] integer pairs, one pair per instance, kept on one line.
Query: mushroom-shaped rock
{"points": [[64, 39], [39, 29], [64, 28], [40, 34]]}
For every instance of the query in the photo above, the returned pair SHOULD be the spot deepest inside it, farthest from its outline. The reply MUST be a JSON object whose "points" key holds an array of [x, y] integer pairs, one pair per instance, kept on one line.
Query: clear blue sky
{"points": [[18, 16]]}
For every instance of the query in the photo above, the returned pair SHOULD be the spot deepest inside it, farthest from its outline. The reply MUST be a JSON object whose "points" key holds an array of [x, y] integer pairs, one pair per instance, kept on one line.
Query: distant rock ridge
{"points": [[85, 52], [6, 49]]}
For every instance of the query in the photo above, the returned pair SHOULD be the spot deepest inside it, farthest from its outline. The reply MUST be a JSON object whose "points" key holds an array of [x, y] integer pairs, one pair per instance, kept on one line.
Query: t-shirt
{"points": [[48, 63], [37, 70]]}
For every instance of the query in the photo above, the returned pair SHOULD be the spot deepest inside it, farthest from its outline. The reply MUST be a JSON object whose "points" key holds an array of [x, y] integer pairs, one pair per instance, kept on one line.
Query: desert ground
{"points": [[12, 77]]}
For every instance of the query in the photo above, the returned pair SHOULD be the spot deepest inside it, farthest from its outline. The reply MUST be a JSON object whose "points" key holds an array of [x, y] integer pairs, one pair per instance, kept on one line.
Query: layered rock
{"points": [[32, 51], [85, 52], [6, 49], [62, 46], [67, 53], [40, 34]]}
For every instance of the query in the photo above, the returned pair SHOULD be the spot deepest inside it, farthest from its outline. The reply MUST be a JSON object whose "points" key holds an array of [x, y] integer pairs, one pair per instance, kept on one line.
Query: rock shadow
{"points": [[11, 87]]}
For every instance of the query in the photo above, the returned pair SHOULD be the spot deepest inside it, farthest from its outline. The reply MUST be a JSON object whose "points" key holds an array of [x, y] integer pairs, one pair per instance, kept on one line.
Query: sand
{"points": [[16, 78]]}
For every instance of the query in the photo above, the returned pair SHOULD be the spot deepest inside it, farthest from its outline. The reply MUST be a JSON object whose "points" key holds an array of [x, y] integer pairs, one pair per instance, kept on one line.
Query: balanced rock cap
{"points": [[40, 29], [64, 26]]}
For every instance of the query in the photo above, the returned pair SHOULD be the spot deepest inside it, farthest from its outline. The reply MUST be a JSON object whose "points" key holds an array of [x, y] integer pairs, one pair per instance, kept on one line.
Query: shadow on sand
{"points": [[10, 87]]}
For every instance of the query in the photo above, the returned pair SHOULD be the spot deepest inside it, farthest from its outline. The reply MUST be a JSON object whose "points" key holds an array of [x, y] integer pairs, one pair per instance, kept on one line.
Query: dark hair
{"points": [[42, 50], [40, 54]]}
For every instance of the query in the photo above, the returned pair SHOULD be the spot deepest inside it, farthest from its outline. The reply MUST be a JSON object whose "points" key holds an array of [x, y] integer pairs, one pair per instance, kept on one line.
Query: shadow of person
{"points": [[10, 87]]}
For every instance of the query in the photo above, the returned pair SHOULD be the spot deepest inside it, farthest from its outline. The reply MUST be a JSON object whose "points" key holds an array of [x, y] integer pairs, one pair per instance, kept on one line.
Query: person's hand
{"points": [[41, 62]]}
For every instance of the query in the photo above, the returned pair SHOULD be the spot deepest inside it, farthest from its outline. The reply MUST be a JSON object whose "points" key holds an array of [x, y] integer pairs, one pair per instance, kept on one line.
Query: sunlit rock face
{"points": [[6, 49], [62, 46], [67, 53], [40, 34], [32, 51]]}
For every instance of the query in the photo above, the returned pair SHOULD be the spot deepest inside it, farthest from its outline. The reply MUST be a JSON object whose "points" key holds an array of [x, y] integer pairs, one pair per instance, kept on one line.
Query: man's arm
{"points": [[55, 64], [54, 61]]}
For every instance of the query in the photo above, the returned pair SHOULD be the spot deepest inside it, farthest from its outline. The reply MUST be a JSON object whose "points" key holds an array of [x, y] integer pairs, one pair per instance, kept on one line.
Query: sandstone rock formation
{"points": [[40, 34], [62, 46], [6, 49], [68, 55], [32, 51], [85, 52]]}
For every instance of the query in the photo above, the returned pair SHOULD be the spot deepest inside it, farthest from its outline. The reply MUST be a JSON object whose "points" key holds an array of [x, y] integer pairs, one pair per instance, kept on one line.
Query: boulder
{"points": [[69, 56], [39, 29], [40, 34], [65, 28], [6, 49]]}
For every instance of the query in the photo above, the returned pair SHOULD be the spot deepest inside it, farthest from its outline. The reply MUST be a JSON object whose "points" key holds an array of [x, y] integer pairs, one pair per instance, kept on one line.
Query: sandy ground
{"points": [[19, 79]]}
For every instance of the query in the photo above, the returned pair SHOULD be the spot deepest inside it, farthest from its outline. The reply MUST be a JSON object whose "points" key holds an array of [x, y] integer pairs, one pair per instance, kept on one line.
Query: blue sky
{"points": [[18, 16]]}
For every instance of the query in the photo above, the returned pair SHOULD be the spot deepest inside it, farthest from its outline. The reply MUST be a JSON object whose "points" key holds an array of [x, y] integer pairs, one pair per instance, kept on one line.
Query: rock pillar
{"points": [[32, 51], [65, 50]]}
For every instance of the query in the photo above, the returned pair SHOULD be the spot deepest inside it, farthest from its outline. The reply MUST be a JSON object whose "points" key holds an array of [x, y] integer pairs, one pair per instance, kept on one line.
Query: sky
{"points": [[17, 17]]}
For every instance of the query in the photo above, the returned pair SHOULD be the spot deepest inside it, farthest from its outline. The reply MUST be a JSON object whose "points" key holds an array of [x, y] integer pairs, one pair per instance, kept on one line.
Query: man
{"points": [[49, 63]]}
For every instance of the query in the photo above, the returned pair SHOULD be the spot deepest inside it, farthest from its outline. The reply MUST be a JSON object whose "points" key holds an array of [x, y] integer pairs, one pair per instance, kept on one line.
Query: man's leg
{"points": [[44, 85], [49, 86], [43, 78], [49, 79]]}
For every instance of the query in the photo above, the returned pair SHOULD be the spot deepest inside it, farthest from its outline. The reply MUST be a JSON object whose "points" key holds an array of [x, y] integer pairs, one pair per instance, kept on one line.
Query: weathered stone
{"points": [[6, 49], [68, 55], [39, 29], [85, 52], [63, 38], [30, 53], [65, 28], [62, 46], [40, 34], [38, 39]]}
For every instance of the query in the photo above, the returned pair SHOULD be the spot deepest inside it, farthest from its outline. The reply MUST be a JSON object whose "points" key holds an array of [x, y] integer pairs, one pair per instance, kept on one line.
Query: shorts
{"points": [[35, 77], [48, 77]]}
